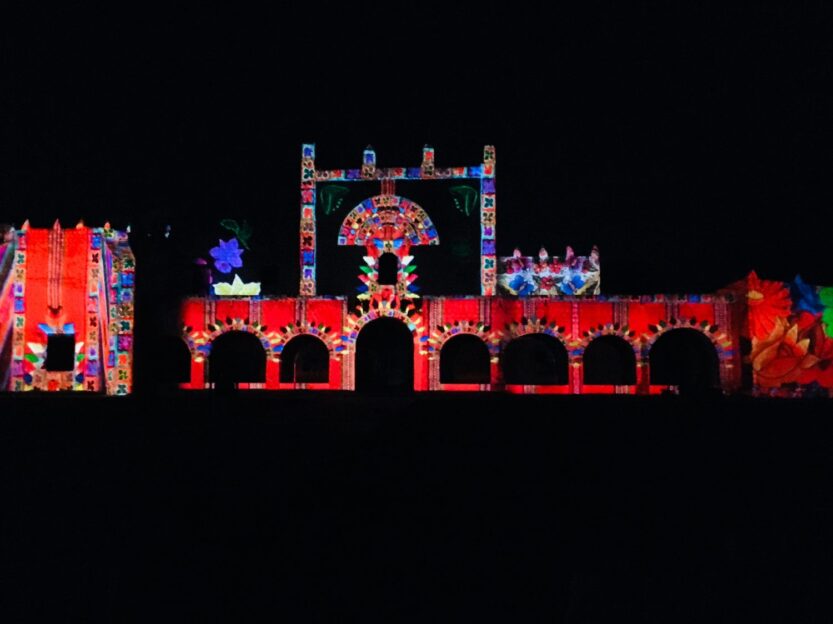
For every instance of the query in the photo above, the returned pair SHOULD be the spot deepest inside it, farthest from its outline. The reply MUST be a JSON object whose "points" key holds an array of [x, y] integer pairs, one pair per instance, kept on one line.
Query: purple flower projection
{"points": [[227, 256]]}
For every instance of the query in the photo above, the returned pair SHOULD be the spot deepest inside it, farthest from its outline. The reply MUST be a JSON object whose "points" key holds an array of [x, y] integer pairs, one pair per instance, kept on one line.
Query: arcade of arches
{"points": [[684, 358]]}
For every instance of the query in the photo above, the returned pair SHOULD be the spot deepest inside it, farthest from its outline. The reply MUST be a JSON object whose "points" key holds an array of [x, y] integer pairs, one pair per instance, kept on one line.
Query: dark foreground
{"points": [[195, 508]]}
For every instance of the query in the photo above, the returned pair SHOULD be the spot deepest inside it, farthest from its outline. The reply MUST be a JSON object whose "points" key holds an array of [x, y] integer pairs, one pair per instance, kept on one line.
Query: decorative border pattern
{"points": [[40, 378], [488, 224], [200, 341], [120, 269], [405, 278], [535, 326], [281, 338], [399, 212], [610, 329], [307, 230], [721, 341], [92, 370], [366, 312], [368, 171], [442, 333], [19, 311]]}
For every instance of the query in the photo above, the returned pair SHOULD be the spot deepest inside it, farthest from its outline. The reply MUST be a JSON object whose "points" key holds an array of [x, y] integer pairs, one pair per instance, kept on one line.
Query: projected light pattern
{"points": [[525, 276], [274, 322], [791, 330], [76, 283], [307, 228], [66, 314], [410, 214], [499, 322], [237, 288], [387, 222]]}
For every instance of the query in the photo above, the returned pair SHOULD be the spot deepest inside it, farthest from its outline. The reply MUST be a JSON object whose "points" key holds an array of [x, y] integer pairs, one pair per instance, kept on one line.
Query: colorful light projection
{"points": [[388, 224], [7, 258], [573, 324], [71, 287], [237, 288], [791, 331], [226, 256], [427, 170], [275, 322], [790, 324], [550, 276]]}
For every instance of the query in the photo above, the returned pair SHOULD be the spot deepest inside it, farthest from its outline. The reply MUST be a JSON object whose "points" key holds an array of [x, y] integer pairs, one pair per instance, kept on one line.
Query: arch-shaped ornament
{"points": [[388, 218]]}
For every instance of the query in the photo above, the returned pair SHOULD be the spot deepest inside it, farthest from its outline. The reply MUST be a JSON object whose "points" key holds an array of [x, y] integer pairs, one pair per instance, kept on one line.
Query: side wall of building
{"points": [[76, 282]]}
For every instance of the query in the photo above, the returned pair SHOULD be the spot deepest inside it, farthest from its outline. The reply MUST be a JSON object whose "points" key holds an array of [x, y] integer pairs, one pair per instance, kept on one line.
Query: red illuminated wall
{"points": [[76, 282], [275, 322], [575, 322]]}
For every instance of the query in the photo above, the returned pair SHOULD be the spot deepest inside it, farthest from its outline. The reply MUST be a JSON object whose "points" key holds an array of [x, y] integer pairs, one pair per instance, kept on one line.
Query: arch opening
{"points": [[685, 358], [385, 357], [236, 357], [305, 359], [464, 359], [535, 359], [609, 361]]}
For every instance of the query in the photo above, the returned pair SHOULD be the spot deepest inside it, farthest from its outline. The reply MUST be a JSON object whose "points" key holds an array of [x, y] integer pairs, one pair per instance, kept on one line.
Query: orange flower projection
{"points": [[768, 301], [783, 356], [811, 328]]}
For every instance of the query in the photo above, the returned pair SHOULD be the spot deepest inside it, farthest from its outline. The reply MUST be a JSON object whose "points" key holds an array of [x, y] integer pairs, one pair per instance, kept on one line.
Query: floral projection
{"points": [[792, 335], [227, 255], [767, 301]]}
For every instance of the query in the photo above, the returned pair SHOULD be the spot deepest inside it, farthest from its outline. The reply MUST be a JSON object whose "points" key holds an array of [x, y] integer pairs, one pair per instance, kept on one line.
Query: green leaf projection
{"points": [[331, 197], [826, 297], [466, 199], [243, 231]]}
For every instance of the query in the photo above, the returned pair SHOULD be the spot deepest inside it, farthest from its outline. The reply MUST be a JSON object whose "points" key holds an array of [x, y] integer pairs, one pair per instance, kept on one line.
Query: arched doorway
{"points": [[305, 359], [686, 358], [535, 359], [385, 357], [464, 359], [609, 361], [236, 357]]}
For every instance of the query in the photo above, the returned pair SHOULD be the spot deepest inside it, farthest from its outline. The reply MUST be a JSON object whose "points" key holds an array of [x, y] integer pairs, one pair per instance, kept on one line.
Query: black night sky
{"points": [[690, 144]]}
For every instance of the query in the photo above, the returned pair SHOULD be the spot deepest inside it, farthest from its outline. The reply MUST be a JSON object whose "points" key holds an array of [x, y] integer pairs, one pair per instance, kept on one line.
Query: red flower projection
{"points": [[783, 356], [768, 301], [820, 346]]}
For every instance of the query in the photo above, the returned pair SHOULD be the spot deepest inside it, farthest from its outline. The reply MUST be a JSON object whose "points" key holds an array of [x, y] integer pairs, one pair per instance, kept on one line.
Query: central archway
{"points": [[385, 357]]}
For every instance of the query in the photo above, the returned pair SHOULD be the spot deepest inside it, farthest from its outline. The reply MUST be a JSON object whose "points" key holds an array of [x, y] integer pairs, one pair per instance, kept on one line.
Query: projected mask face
{"points": [[387, 226]]}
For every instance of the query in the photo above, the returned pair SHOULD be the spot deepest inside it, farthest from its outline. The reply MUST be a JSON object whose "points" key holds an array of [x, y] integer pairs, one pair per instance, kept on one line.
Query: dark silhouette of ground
{"points": [[339, 507]]}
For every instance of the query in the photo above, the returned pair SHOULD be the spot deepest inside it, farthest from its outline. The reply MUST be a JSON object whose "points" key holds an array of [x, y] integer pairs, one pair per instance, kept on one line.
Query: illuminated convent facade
{"points": [[539, 324]]}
